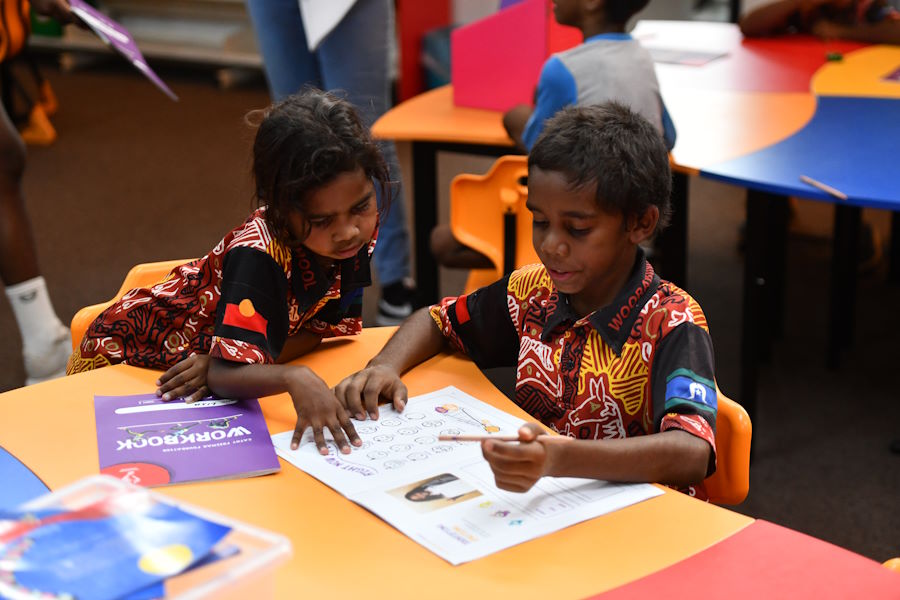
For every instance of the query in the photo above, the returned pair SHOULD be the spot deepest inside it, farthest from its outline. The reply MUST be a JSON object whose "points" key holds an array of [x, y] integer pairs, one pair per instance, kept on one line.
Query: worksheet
{"points": [[442, 494]]}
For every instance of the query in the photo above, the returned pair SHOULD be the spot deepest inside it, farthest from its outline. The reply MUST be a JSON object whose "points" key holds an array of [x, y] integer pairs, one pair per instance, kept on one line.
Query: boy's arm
{"points": [[315, 403], [776, 17], [883, 32], [672, 457], [514, 121], [417, 340]]}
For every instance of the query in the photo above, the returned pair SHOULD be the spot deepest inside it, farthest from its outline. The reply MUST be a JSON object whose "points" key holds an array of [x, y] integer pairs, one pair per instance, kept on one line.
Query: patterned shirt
{"points": [[643, 364], [240, 303]]}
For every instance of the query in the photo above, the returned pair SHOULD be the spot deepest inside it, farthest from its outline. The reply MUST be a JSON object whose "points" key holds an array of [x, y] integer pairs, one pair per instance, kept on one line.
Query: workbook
{"points": [[148, 442], [442, 494]]}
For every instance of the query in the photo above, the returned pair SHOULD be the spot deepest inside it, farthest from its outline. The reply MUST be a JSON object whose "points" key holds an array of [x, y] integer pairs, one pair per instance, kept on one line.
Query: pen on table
{"points": [[824, 187], [500, 438]]}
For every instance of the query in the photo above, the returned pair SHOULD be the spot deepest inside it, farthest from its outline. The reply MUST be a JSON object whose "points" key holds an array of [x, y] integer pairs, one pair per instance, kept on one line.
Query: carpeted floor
{"points": [[135, 177]]}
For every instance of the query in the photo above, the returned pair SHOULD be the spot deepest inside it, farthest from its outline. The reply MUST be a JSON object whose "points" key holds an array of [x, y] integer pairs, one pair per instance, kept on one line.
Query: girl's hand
{"points": [[317, 407], [58, 9], [185, 380], [359, 393], [518, 465]]}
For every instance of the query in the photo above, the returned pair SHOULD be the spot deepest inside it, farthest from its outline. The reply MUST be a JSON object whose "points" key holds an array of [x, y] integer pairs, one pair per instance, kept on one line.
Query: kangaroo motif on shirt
{"points": [[599, 411]]}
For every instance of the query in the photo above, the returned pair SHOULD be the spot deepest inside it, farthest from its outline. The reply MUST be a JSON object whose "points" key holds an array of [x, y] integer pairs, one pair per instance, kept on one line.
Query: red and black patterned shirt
{"points": [[643, 364], [240, 303]]}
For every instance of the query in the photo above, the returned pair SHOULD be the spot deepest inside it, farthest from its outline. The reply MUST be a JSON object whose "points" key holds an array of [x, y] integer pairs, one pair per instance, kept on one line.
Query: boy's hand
{"points": [[317, 407], [359, 393], [518, 465], [58, 9], [185, 380]]}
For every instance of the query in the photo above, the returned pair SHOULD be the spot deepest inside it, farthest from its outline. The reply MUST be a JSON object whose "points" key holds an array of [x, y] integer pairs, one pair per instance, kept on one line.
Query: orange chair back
{"points": [[478, 206], [893, 564], [142, 275], [731, 481]]}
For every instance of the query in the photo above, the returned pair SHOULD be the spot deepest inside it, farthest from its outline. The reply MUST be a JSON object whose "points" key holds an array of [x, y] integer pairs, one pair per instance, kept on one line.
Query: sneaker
{"points": [[395, 304], [51, 362]]}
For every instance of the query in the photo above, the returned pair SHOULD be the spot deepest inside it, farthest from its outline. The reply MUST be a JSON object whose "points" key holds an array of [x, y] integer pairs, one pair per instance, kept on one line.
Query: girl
{"points": [[272, 288]]}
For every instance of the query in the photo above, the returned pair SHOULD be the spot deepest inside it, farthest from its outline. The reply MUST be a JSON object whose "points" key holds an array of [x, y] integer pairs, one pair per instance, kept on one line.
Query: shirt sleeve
{"points": [[684, 388], [556, 90], [252, 317], [479, 324], [338, 317]]}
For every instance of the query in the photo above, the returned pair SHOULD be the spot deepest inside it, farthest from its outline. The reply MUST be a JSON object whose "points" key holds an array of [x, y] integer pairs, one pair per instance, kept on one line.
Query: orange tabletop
{"points": [[432, 117], [339, 548]]}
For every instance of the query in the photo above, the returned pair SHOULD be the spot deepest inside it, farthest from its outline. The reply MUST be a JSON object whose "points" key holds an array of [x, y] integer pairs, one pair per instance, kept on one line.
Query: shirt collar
{"points": [[614, 321], [612, 37], [355, 273]]}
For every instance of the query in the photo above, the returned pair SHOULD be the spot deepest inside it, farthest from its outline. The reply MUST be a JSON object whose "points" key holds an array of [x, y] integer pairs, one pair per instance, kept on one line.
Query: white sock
{"points": [[38, 323]]}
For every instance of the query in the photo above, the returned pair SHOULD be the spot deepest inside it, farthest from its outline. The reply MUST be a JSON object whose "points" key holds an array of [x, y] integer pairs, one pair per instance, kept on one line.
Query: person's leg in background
{"points": [[288, 63], [355, 59], [46, 343]]}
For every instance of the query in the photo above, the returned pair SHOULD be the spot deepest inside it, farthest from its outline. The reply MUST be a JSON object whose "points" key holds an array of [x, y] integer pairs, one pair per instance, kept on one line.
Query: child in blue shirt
{"points": [[609, 65]]}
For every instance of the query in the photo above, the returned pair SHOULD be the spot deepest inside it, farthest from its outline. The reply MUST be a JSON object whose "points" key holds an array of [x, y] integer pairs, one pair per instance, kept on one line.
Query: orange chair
{"points": [[142, 275], [893, 564], [731, 481], [482, 207]]}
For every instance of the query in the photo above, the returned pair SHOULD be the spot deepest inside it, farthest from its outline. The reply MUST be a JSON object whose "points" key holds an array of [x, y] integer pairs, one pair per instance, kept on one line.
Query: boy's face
{"points": [[587, 251], [567, 12], [341, 215]]}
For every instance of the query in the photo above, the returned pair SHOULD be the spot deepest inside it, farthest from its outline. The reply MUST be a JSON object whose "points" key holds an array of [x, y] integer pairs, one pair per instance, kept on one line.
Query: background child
{"points": [[605, 351], [873, 21], [273, 287], [609, 65]]}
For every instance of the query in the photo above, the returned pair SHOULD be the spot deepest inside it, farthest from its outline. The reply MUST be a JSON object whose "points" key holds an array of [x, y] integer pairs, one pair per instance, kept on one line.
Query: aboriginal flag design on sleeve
{"points": [[252, 317]]}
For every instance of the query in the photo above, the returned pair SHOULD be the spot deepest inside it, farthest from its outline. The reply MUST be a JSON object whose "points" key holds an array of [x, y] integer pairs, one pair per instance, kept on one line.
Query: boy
{"points": [[609, 65], [603, 348], [870, 21]]}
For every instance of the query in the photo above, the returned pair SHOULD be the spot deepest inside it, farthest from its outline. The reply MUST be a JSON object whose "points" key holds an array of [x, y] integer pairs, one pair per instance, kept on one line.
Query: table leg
{"points": [[424, 157], [894, 272], [673, 240], [842, 300], [755, 297], [776, 259]]}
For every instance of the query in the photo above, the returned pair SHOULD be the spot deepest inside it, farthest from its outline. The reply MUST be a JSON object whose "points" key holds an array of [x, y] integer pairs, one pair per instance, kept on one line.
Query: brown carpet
{"points": [[135, 177]]}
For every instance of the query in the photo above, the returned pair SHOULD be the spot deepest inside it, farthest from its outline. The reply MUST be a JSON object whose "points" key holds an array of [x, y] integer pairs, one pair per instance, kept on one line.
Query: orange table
{"points": [[342, 550]]}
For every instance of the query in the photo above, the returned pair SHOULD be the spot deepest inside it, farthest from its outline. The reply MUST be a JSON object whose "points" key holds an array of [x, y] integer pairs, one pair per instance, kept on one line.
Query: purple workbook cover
{"points": [[113, 34], [148, 442]]}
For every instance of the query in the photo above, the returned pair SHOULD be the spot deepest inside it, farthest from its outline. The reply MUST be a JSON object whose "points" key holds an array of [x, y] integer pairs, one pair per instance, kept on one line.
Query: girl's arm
{"points": [[297, 345], [672, 457], [315, 403], [417, 340]]}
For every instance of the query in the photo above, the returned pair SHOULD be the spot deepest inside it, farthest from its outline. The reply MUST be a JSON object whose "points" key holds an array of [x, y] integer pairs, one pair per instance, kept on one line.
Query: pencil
{"points": [[825, 188], [500, 438]]}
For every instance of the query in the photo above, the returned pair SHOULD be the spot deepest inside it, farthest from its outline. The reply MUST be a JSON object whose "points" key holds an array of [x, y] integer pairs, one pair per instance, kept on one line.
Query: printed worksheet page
{"points": [[442, 494]]}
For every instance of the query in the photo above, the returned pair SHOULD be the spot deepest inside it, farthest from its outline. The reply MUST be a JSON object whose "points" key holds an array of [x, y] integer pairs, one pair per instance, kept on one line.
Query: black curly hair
{"points": [[613, 147], [302, 143]]}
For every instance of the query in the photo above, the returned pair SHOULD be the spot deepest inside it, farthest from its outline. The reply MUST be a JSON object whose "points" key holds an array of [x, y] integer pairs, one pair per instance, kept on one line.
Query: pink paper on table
{"points": [[116, 36]]}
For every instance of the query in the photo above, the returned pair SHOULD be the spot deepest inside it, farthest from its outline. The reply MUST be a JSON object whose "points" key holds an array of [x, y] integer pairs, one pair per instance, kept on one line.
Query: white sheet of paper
{"points": [[320, 17], [442, 494]]}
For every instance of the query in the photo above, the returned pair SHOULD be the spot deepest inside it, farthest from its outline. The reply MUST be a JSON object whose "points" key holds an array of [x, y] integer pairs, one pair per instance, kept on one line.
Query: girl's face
{"points": [[341, 216]]}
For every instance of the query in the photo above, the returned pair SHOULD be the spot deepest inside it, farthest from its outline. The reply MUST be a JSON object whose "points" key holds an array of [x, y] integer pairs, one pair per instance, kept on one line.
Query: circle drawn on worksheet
{"points": [[426, 439], [362, 446], [442, 449], [432, 423], [394, 464], [417, 456], [391, 422], [451, 431], [401, 447], [383, 438], [408, 430], [414, 416], [364, 429], [376, 454]]}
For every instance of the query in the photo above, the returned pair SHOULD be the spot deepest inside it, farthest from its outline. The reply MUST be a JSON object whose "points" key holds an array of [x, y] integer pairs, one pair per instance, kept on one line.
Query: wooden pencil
{"points": [[824, 187], [500, 438]]}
